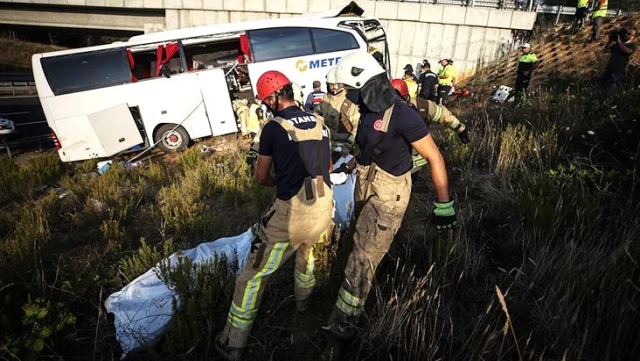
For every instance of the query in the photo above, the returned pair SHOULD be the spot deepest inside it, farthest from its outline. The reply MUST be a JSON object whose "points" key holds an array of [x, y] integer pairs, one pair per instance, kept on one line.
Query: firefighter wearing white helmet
{"points": [[446, 77], [340, 115], [298, 95], [388, 130]]}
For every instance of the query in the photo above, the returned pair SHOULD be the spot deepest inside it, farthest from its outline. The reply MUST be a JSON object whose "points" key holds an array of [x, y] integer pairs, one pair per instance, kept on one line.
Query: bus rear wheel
{"points": [[170, 140]]}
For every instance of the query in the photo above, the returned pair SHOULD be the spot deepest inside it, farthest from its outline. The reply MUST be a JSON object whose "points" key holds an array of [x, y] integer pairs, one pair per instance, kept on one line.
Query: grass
{"points": [[545, 263]]}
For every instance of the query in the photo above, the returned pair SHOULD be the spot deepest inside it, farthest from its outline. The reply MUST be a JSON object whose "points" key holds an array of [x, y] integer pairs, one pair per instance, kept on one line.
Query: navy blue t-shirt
{"points": [[405, 127], [290, 170]]}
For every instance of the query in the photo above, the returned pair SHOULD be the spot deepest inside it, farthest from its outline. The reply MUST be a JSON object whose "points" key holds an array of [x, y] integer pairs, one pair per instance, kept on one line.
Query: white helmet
{"points": [[297, 93], [331, 76], [525, 46], [356, 68]]}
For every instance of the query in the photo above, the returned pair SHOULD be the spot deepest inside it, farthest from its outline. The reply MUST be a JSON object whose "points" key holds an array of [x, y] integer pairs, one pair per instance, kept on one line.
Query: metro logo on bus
{"points": [[302, 65]]}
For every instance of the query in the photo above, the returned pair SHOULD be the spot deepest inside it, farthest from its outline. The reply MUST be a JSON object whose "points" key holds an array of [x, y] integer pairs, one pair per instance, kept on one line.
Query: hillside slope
{"points": [[561, 51]]}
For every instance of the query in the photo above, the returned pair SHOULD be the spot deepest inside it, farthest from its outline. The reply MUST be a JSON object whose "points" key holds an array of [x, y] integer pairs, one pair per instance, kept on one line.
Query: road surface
{"points": [[27, 114]]}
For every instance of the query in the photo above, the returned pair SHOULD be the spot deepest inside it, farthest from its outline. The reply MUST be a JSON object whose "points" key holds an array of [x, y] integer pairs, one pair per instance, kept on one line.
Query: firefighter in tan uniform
{"points": [[340, 115], [388, 130], [431, 112], [296, 143]]}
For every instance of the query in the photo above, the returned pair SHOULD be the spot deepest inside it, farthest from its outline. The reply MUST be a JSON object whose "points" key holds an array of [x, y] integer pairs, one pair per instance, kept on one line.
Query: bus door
{"points": [[373, 32], [171, 95], [215, 60]]}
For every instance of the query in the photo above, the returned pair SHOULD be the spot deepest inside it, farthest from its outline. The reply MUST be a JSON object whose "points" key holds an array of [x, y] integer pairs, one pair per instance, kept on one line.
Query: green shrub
{"points": [[41, 322], [144, 259], [19, 183], [205, 292]]}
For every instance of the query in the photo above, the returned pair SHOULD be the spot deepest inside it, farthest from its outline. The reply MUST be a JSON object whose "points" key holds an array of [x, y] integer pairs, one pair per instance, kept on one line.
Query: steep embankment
{"points": [[562, 52]]}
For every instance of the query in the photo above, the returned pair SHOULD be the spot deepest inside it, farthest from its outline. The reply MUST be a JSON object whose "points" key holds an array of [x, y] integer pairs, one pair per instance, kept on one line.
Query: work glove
{"points": [[343, 168], [464, 135], [445, 216], [252, 157], [346, 149]]}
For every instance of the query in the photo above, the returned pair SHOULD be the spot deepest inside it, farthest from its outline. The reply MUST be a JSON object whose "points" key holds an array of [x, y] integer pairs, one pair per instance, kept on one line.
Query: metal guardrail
{"points": [[17, 88], [526, 5]]}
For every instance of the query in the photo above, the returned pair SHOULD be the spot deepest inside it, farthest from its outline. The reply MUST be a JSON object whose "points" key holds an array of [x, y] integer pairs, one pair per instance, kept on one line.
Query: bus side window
{"points": [[86, 71], [168, 55], [279, 43], [211, 54], [140, 63], [328, 41]]}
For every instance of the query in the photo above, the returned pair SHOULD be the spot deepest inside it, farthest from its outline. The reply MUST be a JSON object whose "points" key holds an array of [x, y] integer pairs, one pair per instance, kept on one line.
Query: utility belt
{"points": [[310, 203], [313, 196]]}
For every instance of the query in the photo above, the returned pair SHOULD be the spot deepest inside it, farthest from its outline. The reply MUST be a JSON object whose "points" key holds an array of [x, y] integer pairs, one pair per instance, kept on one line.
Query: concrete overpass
{"points": [[416, 30]]}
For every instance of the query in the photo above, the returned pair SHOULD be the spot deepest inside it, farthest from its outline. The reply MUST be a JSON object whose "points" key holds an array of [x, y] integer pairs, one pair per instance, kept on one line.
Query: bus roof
{"points": [[302, 21]]}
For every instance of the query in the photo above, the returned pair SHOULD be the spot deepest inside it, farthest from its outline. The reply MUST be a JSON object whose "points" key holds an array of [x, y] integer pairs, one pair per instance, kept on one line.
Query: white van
{"points": [[172, 87]]}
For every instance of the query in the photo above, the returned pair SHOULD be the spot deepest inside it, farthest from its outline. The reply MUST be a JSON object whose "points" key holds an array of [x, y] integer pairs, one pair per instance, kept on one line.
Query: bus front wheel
{"points": [[172, 140]]}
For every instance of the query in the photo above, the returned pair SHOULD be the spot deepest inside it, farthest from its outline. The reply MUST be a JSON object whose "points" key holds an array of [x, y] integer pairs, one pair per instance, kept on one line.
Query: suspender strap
{"points": [[423, 108], [383, 130], [344, 115], [319, 177], [301, 135], [377, 150]]}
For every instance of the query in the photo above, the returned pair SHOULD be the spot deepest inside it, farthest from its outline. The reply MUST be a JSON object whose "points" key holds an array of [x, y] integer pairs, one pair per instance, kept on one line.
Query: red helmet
{"points": [[270, 82], [401, 86]]}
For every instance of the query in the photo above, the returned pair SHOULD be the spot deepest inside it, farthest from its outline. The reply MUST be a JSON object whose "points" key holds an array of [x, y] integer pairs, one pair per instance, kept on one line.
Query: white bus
{"points": [[173, 87]]}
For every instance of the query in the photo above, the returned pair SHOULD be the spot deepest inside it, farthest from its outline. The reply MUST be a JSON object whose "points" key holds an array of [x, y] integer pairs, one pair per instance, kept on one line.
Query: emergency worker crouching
{"points": [[431, 112], [297, 144], [387, 131], [341, 116]]}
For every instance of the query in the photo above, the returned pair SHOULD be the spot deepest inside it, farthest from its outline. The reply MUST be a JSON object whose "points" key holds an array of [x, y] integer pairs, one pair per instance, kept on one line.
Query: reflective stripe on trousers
{"points": [[288, 228]]}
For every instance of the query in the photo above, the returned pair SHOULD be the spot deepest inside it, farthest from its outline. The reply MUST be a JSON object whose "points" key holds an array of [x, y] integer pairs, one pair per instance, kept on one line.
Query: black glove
{"points": [[252, 157], [445, 216], [343, 168], [464, 135]]}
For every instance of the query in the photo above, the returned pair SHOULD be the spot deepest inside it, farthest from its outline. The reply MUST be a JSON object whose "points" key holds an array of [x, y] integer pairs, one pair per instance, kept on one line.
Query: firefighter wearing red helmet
{"points": [[432, 112], [297, 144]]}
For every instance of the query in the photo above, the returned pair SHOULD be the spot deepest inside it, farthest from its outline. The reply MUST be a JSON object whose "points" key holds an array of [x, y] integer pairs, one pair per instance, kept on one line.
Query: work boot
{"points": [[303, 306], [340, 336], [334, 351], [343, 331]]}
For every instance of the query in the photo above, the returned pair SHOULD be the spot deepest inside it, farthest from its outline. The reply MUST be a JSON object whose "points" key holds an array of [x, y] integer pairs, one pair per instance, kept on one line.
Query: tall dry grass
{"points": [[545, 263]]}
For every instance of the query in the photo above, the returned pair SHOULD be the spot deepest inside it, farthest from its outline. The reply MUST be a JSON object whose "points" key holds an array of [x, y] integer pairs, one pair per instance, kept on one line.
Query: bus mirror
{"points": [[165, 71]]}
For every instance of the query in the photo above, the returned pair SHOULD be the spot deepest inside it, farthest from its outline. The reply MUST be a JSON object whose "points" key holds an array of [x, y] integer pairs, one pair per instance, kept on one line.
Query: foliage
{"points": [[41, 322]]}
